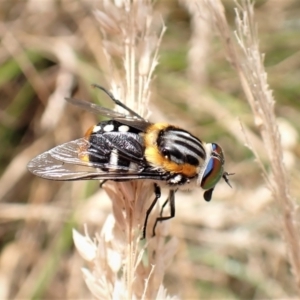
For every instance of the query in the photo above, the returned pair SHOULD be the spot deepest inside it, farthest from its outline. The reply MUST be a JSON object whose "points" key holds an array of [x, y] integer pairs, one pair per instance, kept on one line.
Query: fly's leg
{"points": [[102, 182], [116, 101], [171, 201], [163, 206], [157, 193]]}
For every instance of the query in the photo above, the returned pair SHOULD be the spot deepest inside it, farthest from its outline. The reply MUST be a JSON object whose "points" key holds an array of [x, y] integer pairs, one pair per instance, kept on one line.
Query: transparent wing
{"points": [[48, 167], [96, 109], [139, 124], [135, 123], [64, 163]]}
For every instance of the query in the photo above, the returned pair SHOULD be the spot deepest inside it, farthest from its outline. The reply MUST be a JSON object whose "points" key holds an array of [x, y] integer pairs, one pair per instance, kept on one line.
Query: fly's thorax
{"points": [[212, 169], [115, 146]]}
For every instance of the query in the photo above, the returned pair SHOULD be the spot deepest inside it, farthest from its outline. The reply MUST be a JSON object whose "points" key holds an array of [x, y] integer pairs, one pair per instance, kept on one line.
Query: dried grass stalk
{"points": [[248, 62], [199, 44], [131, 38]]}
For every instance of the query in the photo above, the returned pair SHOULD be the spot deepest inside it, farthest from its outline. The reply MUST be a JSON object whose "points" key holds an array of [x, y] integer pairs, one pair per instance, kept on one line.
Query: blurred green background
{"points": [[229, 248]]}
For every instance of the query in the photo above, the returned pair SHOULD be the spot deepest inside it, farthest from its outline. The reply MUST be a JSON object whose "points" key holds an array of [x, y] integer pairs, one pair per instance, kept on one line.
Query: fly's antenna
{"points": [[116, 101], [225, 176]]}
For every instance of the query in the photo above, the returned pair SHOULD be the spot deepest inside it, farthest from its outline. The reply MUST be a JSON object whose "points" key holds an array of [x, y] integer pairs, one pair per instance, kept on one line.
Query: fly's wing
{"points": [[139, 124], [96, 109], [65, 162], [46, 166], [80, 159]]}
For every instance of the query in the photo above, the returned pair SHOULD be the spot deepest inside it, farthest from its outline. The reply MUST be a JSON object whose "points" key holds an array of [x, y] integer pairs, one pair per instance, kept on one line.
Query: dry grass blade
{"points": [[248, 61], [262, 105]]}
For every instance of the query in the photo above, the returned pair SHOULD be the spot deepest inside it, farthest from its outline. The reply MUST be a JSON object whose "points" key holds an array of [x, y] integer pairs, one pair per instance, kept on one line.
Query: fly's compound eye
{"points": [[213, 170], [212, 173]]}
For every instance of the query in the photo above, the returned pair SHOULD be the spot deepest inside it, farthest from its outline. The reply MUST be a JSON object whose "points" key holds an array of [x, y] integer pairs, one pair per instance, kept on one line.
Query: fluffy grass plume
{"points": [[131, 38]]}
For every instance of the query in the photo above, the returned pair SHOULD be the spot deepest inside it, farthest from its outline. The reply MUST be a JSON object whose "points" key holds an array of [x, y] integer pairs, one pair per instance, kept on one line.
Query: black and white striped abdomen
{"points": [[180, 146]]}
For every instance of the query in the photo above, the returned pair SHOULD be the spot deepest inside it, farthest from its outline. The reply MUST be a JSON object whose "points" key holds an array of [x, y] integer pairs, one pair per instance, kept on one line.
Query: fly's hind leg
{"points": [[116, 101]]}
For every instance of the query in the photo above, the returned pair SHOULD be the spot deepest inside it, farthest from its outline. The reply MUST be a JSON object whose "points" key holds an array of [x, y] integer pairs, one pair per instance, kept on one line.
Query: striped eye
{"points": [[214, 168]]}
